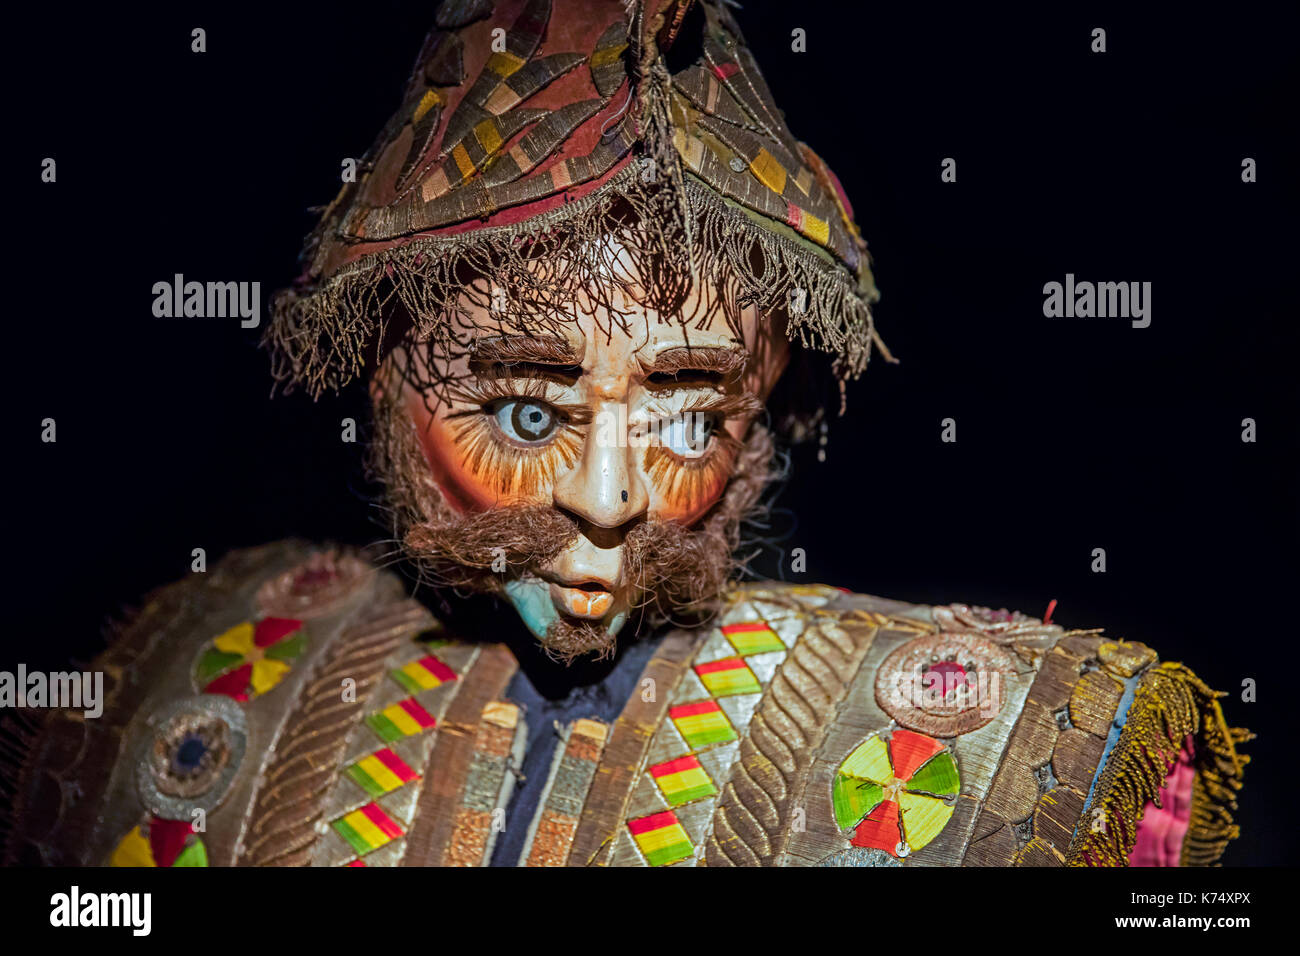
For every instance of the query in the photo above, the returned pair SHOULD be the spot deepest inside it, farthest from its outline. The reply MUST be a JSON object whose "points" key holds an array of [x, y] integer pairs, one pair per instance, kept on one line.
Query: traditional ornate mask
{"points": [[573, 266]]}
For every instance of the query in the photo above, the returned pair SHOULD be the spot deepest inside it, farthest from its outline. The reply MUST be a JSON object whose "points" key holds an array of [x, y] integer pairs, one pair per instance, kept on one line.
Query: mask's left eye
{"points": [[528, 421]]}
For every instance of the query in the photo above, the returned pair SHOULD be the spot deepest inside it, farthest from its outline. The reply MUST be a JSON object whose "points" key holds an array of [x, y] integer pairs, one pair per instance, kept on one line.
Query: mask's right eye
{"points": [[528, 421]]}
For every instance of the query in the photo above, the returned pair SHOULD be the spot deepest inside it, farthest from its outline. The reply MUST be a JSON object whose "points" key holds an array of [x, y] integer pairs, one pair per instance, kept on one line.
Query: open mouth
{"points": [[588, 601]]}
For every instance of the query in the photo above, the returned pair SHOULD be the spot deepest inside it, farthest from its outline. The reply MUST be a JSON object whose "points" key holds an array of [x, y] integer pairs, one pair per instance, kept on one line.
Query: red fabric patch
{"points": [[234, 685], [656, 821], [908, 750], [272, 630], [167, 839], [879, 831]]}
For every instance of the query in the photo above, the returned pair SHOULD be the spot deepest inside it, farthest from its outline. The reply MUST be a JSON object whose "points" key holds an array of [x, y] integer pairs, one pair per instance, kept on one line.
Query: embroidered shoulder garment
{"points": [[293, 707]]}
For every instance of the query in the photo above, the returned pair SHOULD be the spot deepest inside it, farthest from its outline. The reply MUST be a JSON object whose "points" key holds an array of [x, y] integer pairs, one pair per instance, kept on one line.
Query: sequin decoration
{"points": [[188, 754]]}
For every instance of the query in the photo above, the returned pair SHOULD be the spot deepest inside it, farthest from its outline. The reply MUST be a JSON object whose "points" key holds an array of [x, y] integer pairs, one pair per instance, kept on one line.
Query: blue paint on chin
{"points": [[532, 600]]}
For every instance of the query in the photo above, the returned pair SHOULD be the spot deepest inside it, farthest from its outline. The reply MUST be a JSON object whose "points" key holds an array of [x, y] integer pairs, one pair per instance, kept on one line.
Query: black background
{"points": [[1072, 434]]}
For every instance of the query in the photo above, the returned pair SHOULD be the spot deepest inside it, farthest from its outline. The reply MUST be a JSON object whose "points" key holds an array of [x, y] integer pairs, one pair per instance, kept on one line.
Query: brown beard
{"points": [[675, 573]]}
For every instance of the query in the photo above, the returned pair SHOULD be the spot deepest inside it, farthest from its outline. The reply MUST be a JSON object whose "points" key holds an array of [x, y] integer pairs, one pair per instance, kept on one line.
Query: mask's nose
{"points": [[605, 489]]}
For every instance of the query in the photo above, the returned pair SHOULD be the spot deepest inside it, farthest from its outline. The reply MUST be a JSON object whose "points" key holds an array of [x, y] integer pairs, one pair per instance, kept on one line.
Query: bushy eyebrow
{"points": [[524, 350], [720, 360]]}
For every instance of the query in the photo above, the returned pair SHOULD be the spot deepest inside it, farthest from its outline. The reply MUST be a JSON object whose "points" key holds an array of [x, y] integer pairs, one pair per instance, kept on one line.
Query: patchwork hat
{"points": [[531, 131]]}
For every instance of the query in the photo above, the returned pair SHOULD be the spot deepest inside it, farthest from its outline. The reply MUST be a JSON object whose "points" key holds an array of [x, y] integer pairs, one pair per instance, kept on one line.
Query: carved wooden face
{"points": [[613, 424]]}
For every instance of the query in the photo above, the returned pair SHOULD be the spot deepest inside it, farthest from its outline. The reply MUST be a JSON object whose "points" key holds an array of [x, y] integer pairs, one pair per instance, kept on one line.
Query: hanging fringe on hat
{"points": [[676, 230]]}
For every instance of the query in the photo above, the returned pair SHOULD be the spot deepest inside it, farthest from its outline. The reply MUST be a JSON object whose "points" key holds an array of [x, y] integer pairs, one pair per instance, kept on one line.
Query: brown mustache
{"points": [[667, 564], [468, 546]]}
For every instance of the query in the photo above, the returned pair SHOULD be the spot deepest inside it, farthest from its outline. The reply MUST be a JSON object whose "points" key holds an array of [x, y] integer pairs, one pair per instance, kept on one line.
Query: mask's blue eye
{"points": [[687, 434], [528, 421]]}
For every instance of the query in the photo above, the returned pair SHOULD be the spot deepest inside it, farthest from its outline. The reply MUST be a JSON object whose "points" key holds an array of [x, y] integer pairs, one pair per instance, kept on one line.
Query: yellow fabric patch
{"points": [[869, 762], [237, 640], [504, 64], [689, 148], [402, 720], [684, 780], [815, 229], [769, 172], [378, 771], [659, 839], [427, 102], [466, 165], [488, 136], [923, 818], [606, 57], [133, 851], [267, 673], [367, 830]]}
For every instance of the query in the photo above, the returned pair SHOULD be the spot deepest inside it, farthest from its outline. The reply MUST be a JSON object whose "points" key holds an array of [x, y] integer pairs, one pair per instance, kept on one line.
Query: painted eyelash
{"points": [[690, 482], [509, 469]]}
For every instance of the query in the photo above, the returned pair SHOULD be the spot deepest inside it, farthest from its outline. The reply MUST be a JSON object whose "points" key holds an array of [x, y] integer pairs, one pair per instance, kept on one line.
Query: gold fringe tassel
{"points": [[1170, 703]]}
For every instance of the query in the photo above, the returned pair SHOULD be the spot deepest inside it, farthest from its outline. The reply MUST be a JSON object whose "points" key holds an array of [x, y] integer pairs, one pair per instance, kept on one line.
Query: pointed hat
{"points": [[531, 131]]}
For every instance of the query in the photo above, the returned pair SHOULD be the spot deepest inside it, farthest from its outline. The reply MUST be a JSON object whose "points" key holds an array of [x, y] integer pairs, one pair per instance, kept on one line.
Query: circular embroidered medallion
{"points": [[318, 587], [188, 755], [895, 793], [944, 684]]}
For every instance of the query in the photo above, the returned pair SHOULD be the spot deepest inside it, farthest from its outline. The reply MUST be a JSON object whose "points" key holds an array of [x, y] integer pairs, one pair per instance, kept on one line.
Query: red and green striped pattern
{"points": [[661, 838], [752, 637], [702, 723], [728, 676], [424, 674], [683, 780], [367, 829], [380, 773], [403, 719]]}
